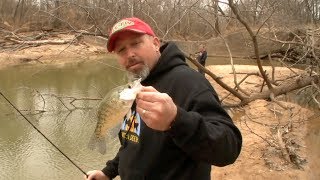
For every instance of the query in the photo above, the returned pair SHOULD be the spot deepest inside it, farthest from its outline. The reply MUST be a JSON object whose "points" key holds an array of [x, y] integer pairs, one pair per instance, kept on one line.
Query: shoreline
{"points": [[82, 49]]}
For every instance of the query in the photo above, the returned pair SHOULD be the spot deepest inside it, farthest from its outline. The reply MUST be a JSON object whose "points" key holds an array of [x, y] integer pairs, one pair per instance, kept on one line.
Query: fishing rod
{"points": [[42, 134]]}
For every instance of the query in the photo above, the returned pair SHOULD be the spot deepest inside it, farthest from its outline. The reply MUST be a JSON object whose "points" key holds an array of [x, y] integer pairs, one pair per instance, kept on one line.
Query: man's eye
{"points": [[136, 43], [120, 50]]}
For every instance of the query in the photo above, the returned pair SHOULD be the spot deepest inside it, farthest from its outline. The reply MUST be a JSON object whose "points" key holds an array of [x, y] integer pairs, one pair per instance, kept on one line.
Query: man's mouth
{"points": [[134, 65]]}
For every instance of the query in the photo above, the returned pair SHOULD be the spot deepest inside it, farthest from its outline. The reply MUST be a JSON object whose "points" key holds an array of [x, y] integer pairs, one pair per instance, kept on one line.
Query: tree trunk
{"points": [[16, 11], [216, 18], [56, 21]]}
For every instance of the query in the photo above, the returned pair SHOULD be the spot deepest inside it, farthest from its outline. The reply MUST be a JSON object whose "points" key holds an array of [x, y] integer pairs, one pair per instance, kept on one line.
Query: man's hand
{"points": [[96, 175], [157, 109]]}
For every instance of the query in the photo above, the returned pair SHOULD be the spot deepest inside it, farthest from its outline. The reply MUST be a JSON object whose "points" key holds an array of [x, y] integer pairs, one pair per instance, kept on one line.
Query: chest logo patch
{"points": [[130, 128]]}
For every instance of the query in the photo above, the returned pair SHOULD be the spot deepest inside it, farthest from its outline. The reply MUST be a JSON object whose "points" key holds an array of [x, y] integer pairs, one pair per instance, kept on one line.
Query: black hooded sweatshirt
{"points": [[201, 135]]}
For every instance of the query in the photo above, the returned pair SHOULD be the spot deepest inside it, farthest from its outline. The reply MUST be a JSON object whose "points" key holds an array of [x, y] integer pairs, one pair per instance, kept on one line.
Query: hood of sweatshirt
{"points": [[170, 57]]}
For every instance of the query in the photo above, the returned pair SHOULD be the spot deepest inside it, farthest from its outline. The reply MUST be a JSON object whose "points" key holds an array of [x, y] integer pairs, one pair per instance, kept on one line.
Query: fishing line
{"points": [[112, 66], [42, 133]]}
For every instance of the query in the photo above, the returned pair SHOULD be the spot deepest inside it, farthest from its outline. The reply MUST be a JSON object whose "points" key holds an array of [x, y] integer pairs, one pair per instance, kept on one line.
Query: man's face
{"points": [[201, 48], [137, 53]]}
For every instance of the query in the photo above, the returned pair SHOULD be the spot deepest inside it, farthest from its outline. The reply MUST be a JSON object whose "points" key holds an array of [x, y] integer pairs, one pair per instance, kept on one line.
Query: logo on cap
{"points": [[121, 25]]}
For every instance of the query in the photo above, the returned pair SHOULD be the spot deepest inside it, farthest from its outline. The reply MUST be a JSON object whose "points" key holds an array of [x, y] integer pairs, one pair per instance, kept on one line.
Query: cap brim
{"points": [[112, 39]]}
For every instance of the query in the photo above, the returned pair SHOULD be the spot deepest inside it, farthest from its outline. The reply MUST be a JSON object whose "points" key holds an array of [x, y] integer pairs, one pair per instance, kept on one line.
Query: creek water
{"points": [[45, 95]]}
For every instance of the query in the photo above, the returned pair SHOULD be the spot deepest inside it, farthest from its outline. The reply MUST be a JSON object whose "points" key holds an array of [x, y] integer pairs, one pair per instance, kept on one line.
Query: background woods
{"points": [[188, 20]]}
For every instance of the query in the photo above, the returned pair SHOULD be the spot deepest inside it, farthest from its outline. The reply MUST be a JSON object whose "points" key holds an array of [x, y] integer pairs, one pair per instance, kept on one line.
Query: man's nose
{"points": [[130, 52]]}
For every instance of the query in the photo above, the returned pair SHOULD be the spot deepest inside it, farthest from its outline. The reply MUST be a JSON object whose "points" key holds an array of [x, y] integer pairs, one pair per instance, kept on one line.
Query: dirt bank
{"points": [[83, 49], [260, 123]]}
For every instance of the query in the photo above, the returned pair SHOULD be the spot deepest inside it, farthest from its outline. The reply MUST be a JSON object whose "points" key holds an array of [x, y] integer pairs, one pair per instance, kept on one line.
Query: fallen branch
{"points": [[282, 145], [41, 42]]}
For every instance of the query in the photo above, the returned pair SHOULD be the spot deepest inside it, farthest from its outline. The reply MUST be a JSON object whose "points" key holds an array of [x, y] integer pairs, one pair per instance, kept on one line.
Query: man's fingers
{"points": [[145, 104], [89, 172], [88, 175], [148, 89], [148, 96]]}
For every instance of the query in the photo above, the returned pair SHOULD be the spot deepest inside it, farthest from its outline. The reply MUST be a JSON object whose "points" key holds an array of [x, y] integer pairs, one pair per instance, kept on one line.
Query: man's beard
{"points": [[143, 74]]}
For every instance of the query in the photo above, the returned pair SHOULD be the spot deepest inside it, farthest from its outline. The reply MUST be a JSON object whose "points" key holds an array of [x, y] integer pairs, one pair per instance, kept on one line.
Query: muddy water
{"points": [[24, 152], [44, 95]]}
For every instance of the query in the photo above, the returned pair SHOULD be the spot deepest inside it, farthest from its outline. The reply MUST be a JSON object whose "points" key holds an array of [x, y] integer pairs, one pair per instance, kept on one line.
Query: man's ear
{"points": [[156, 42]]}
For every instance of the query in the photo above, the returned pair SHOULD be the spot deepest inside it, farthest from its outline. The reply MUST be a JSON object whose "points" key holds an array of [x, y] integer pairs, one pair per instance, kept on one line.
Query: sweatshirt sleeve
{"points": [[111, 169], [206, 132]]}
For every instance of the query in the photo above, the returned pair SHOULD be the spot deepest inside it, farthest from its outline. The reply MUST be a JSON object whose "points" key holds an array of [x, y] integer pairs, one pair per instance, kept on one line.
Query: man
{"points": [[202, 57], [179, 127]]}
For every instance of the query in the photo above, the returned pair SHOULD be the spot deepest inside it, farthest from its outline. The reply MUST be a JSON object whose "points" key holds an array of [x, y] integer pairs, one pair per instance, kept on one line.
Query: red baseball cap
{"points": [[127, 24]]}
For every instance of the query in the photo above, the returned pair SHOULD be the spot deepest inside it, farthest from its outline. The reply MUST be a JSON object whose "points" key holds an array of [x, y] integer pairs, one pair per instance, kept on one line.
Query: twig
{"points": [[266, 140]]}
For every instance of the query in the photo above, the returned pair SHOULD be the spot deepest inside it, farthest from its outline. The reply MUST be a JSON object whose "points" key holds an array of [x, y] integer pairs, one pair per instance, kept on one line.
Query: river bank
{"points": [[268, 130], [84, 49]]}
